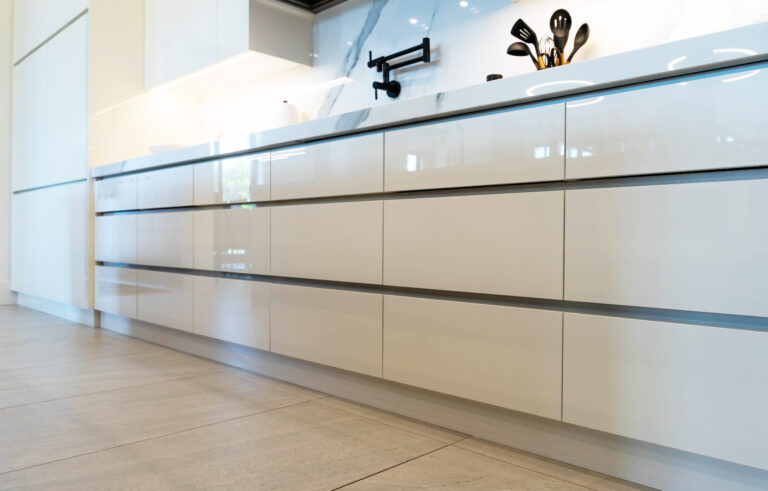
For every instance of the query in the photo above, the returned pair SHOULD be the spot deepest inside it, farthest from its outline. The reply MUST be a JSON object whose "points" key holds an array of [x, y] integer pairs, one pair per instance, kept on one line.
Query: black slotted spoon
{"points": [[523, 32], [560, 23]]}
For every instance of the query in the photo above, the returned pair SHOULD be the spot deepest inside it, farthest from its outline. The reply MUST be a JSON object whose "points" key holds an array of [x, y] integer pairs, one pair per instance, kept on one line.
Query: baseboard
{"points": [[7, 297], [636, 461], [64, 311]]}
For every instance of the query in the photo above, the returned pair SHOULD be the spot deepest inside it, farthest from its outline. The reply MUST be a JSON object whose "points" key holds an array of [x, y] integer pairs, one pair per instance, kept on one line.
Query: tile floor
{"points": [[82, 408]]}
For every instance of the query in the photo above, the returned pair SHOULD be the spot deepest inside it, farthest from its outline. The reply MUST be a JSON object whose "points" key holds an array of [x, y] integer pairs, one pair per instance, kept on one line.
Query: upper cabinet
{"points": [[184, 36], [34, 21]]}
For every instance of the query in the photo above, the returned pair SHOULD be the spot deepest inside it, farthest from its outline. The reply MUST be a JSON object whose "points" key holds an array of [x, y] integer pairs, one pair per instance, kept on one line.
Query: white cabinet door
{"points": [[166, 239], [338, 328], [34, 21], [330, 241], [233, 310], [518, 145], [115, 291], [116, 238], [506, 244], [340, 167], [236, 180], [505, 356], [695, 388], [29, 130], [115, 194], [166, 299], [234, 240], [703, 123], [693, 246], [166, 188]]}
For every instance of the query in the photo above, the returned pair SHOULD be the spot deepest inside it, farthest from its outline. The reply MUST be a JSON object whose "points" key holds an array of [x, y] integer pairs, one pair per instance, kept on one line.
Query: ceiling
{"points": [[313, 5]]}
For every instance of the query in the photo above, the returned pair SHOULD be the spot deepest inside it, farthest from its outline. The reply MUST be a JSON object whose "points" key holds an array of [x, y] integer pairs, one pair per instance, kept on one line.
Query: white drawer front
{"points": [[521, 145], [233, 310], [234, 240], [331, 241], [705, 123], [338, 328], [166, 188], [505, 356], [340, 167], [695, 388], [506, 244], [115, 291], [166, 299], [696, 246], [116, 240], [115, 194], [166, 239], [236, 180]]}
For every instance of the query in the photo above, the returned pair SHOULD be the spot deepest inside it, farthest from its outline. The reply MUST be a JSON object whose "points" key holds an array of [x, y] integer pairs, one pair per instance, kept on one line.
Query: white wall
{"points": [[6, 14]]}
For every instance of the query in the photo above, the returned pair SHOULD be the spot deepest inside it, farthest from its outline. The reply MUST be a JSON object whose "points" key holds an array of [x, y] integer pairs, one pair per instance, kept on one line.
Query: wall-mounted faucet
{"points": [[392, 87]]}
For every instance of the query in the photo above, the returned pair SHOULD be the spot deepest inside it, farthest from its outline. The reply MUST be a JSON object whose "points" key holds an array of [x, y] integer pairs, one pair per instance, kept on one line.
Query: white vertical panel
{"points": [[34, 21]]}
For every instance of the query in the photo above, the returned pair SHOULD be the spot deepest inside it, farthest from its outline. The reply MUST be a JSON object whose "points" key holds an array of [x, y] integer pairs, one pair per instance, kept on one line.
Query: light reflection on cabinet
{"points": [[115, 291], [166, 299], [234, 180], [234, 240], [166, 239]]}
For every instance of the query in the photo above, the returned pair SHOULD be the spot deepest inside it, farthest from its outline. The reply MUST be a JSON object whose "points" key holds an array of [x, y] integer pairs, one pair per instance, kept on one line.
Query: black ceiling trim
{"points": [[313, 6]]}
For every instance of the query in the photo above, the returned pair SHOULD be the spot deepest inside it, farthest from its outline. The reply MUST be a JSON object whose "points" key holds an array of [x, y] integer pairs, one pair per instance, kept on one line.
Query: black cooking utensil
{"points": [[523, 32], [560, 23], [522, 49], [582, 35]]}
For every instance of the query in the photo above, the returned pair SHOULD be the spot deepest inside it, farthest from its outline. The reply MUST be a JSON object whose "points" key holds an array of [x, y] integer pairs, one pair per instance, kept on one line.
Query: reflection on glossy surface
{"points": [[166, 299], [521, 145], [116, 238], [166, 239], [235, 240], [235, 180], [704, 122], [115, 291], [166, 187], [117, 193]]}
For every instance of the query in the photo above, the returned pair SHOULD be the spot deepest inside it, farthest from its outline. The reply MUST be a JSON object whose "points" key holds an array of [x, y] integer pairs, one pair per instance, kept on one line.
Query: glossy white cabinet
{"points": [[506, 244], [115, 290], [234, 240], [330, 241], [166, 239], [693, 246], [236, 180], [519, 145], [233, 310], [116, 238], [34, 21], [505, 356], [703, 123], [116, 193], [166, 299], [166, 188], [338, 328], [695, 388], [340, 167], [50, 111]]}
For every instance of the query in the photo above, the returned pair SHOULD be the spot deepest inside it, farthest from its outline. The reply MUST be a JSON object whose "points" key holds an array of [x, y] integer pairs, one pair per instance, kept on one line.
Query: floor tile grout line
{"points": [[165, 435], [394, 466]]}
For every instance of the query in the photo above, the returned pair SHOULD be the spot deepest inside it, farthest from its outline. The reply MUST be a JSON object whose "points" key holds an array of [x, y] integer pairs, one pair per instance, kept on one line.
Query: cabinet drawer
{"points": [[234, 240], [505, 356], [506, 244], [521, 145], [695, 388], [166, 239], [236, 180], [166, 188], [115, 291], [339, 167], [115, 194], [166, 299], [693, 246], [331, 241], [338, 328], [233, 310], [116, 238], [702, 123]]}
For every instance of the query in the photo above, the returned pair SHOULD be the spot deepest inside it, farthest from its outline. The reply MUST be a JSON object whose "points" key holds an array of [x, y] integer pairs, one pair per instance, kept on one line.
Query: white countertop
{"points": [[724, 49]]}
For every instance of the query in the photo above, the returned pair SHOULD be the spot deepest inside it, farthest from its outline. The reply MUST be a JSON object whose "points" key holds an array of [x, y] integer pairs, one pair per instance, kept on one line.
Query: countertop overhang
{"points": [[726, 49]]}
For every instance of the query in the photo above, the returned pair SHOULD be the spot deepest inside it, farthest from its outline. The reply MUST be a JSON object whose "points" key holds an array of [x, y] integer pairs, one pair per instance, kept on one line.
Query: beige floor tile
{"points": [[576, 475], [43, 432], [78, 378], [455, 468], [423, 429], [307, 446], [303, 392], [19, 335]]}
